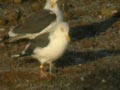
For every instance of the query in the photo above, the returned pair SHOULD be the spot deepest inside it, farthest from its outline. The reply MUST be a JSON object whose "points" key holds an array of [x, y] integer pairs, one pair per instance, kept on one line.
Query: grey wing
{"points": [[36, 22], [40, 41]]}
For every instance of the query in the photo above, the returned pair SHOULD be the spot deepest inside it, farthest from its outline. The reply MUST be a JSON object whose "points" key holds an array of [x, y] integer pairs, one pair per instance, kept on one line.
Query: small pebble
{"points": [[100, 17], [82, 78], [80, 65], [103, 81], [114, 11]]}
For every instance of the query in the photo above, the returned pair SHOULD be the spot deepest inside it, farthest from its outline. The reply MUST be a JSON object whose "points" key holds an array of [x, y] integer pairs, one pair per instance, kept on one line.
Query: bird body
{"points": [[56, 47], [47, 47]]}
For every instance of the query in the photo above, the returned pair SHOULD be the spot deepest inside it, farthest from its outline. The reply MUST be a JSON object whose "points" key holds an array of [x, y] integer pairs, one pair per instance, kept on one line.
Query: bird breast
{"points": [[53, 51]]}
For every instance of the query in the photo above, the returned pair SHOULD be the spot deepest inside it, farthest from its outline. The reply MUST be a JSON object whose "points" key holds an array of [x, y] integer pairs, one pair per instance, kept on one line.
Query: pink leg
{"points": [[42, 72]]}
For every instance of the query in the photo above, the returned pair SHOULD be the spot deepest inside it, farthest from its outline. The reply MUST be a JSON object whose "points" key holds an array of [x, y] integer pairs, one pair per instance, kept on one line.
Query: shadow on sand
{"points": [[79, 32], [76, 57]]}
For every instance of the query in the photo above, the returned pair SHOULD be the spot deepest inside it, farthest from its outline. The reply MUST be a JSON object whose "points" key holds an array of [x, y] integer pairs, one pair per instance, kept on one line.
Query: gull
{"points": [[47, 48], [38, 23]]}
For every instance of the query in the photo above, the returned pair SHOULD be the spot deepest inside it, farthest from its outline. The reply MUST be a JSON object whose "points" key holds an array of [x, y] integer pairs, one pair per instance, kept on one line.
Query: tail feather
{"points": [[19, 55], [15, 56]]}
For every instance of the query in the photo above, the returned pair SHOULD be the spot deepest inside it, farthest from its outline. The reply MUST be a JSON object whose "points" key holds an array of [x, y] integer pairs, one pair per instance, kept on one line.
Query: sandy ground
{"points": [[92, 60]]}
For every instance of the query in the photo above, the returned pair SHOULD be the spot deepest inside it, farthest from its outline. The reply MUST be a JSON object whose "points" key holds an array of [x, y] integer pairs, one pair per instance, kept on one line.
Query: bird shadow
{"points": [[82, 31], [72, 58]]}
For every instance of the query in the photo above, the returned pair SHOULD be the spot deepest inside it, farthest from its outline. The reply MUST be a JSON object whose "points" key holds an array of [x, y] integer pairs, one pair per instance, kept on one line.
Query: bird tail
{"points": [[19, 55]]}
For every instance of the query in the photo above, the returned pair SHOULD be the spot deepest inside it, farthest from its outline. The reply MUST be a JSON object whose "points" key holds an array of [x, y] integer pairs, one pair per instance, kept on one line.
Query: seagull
{"points": [[38, 23], [48, 48]]}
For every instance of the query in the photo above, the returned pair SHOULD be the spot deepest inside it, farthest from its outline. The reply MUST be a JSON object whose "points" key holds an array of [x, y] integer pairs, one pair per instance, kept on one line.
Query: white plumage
{"points": [[59, 40]]}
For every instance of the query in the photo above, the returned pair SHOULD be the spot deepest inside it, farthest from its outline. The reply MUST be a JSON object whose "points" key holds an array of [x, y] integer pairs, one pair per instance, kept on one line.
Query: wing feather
{"points": [[36, 22]]}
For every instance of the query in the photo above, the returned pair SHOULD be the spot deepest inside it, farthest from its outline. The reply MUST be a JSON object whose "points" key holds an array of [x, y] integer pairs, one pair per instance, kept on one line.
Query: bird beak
{"points": [[52, 4], [68, 38]]}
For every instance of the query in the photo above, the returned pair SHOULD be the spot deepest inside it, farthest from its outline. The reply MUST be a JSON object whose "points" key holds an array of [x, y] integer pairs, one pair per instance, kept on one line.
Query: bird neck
{"points": [[55, 10], [58, 13]]}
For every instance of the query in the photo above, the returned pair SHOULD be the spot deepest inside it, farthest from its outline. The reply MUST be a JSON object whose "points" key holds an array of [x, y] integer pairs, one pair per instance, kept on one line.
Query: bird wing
{"points": [[40, 41], [36, 22]]}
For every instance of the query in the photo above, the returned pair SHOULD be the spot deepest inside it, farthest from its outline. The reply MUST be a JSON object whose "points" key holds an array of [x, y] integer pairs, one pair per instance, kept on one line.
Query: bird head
{"points": [[51, 5]]}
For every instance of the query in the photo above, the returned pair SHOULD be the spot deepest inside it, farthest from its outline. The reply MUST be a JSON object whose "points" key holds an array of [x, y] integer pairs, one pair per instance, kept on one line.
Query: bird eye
{"points": [[62, 29]]}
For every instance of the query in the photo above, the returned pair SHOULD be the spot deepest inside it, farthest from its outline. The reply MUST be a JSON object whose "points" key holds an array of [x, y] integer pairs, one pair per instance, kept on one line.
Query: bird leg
{"points": [[50, 68], [42, 72], [51, 75]]}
